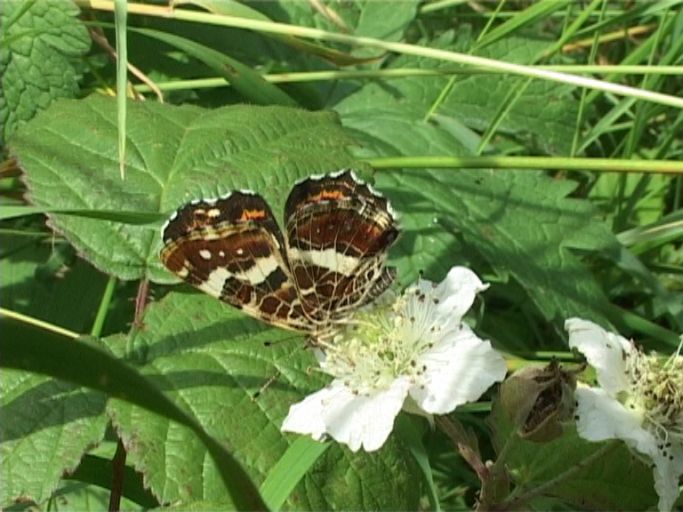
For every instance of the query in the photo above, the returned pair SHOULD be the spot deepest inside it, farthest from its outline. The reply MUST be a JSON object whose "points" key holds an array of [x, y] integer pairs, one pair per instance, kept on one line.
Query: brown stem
{"points": [[118, 469], [141, 303], [118, 463], [458, 436]]}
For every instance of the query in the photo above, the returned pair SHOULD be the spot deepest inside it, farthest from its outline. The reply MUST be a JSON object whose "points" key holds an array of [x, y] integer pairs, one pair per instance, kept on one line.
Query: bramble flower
{"points": [[412, 353], [639, 400]]}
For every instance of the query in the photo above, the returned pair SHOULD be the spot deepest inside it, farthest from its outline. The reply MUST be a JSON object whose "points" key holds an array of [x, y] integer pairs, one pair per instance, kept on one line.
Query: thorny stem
{"points": [[119, 460], [519, 501], [140, 303]]}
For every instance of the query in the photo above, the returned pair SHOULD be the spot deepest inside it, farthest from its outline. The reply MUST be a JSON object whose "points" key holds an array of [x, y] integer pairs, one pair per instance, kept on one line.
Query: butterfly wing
{"points": [[231, 248], [338, 233]]}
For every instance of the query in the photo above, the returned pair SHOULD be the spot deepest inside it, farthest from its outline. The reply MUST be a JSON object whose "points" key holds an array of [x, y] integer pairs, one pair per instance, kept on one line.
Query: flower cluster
{"points": [[639, 400], [413, 353]]}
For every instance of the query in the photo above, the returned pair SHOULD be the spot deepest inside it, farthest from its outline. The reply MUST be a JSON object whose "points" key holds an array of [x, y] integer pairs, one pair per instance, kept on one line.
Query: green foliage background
{"points": [[195, 391]]}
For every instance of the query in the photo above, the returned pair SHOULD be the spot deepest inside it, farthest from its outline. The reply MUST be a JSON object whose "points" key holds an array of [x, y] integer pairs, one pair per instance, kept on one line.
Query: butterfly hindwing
{"points": [[231, 248]]}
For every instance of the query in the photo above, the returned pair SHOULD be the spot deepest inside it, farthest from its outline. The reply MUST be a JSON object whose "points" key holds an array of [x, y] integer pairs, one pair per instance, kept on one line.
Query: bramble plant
{"points": [[527, 354]]}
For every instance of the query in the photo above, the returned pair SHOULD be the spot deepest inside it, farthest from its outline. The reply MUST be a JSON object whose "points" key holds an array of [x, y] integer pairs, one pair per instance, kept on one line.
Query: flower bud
{"points": [[539, 400]]}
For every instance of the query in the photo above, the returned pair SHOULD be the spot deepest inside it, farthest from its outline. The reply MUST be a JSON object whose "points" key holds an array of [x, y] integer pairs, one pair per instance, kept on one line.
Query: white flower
{"points": [[414, 353], [640, 400]]}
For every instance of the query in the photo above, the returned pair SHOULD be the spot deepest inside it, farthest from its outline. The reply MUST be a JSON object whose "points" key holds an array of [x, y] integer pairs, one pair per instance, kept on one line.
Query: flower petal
{"points": [[459, 368], [602, 417], [457, 291], [666, 474], [605, 351], [352, 419]]}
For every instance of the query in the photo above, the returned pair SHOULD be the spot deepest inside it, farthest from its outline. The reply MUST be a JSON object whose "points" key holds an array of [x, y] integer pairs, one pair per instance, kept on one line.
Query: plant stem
{"points": [[102, 310], [39, 323], [458, 436], [400, 48], [119, 461], [530, 163], [384, 74], [118, 470]]}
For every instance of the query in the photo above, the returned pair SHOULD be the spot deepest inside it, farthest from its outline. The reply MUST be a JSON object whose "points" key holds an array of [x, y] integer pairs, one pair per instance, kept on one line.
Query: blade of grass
{"points": [[120, 19], [401, 48], [122, 216], [244, 79], [529, 163], [103, 308], [666, 229], [290, 469], [388, 74], [535, 11], [408, 432], [30, 346]]}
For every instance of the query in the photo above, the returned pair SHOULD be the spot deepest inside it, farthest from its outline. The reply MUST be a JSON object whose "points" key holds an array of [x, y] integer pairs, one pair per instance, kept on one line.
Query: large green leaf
{"points": [[616, 481], [213, 362], [47, 426], [82, 362], [383, 19], [40, 45], [544, 115], [176, 154], [521, 223]]}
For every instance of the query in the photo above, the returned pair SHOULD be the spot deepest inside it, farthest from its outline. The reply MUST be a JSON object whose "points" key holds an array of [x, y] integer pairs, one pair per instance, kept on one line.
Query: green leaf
{"points": [[616, 481], [47, 426], [521, 223], [543, 116], [235, 8], [42, 43], [384, 19], [97, 471], [82, 362], [38, 275], [175, 154], [211, 361], [524, 226]]}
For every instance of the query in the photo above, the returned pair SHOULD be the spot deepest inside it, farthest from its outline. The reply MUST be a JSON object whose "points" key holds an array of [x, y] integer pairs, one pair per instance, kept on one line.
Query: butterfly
{"points": [[328, 262]]}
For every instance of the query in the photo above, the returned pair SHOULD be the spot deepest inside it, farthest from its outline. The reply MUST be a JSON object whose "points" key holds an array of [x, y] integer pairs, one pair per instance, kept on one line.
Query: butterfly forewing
{"points": [[232, 249], [338, 233]]}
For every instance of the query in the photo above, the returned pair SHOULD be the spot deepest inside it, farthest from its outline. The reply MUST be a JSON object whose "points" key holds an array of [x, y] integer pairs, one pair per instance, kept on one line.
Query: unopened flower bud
{"points": [[539, 401]]}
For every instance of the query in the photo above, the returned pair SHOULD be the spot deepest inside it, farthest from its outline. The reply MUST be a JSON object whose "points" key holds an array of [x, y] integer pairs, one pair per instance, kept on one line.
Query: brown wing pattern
{"points": [[231, 248], [338, 233]]}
